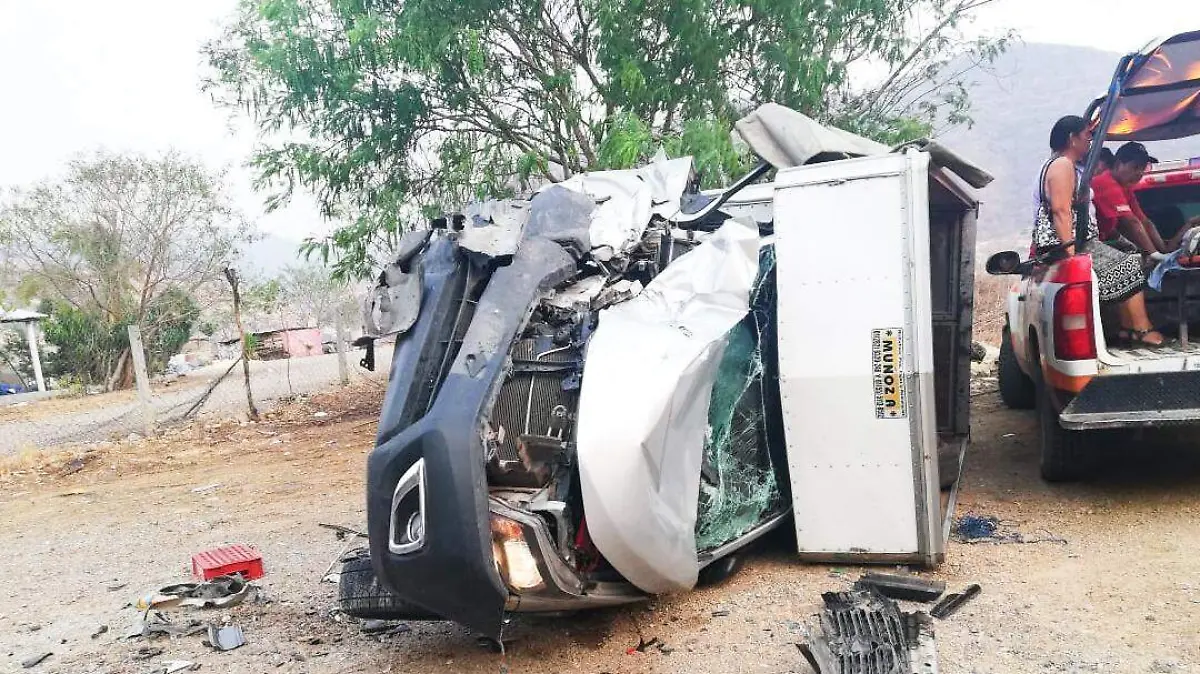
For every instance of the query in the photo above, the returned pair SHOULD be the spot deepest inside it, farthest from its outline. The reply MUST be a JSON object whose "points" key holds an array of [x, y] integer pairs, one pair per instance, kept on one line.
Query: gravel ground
{"points": [[85, 537], [116, 415]]}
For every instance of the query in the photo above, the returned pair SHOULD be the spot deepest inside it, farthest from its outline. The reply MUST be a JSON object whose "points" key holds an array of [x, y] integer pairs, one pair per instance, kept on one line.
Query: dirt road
{"points": [[107, 416], [1120, 595]]}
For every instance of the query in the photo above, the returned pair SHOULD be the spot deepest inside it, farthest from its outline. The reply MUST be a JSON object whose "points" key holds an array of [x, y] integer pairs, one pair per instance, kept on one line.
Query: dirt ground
{"points": [[85, 534]]}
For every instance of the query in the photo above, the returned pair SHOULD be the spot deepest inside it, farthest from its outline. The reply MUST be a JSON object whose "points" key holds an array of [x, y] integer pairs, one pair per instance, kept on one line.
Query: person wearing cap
{"points": [[1120, 279], [1118, 213]]}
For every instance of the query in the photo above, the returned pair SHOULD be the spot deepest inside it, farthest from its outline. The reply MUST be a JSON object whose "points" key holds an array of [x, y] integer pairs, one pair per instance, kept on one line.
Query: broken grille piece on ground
{"points": [[907, 588], [863, 632]]}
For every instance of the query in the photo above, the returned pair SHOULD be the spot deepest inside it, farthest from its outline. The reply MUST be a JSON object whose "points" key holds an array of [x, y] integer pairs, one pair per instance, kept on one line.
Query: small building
{"points": [[28, 320], [280, 343]]}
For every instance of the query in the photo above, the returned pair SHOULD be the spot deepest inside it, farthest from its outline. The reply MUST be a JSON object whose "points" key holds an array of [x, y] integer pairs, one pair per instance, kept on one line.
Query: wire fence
{"points": [[216, 390]]}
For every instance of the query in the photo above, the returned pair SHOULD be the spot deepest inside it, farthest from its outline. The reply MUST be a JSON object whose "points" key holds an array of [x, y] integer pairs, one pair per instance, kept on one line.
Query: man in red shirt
{"points": [[1118, 213]]}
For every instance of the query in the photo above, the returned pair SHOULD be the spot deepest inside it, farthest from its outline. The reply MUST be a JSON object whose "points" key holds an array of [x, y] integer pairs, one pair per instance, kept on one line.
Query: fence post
{"points": [[31, 336], [343, 370], [143, 380]]}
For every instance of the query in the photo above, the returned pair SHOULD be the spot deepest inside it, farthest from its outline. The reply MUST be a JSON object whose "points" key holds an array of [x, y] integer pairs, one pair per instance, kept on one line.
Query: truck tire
{"points": [[1062, 450], [1017, 390], [360, 594]]}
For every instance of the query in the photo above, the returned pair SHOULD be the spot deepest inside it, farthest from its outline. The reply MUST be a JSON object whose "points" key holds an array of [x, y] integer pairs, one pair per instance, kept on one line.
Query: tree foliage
{"points": [[119, 240], [389, 110]]}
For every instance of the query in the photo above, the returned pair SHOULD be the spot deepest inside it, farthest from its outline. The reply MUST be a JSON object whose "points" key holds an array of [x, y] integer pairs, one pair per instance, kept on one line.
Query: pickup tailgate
{"points": [[1136, 400]]}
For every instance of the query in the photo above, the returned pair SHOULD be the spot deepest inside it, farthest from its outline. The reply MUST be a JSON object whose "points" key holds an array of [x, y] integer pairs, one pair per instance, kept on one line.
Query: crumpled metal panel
{"points": [[643, 409], [494, 228], [392, 306], [626, 200]]}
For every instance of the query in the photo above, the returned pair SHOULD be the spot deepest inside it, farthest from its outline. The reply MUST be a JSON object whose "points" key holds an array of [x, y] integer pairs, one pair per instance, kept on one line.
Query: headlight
{"points": [[514, 560]]}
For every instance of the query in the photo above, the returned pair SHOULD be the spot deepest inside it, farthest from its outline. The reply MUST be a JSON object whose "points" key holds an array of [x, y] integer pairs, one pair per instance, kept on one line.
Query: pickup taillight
{"points": [[1074, 333]]}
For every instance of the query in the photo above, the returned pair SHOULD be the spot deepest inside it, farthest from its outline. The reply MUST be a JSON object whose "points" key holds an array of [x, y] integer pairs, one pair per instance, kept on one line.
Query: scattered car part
{"points": [[34, 661], [152, 624], [863, 632], [907, 588], [953, 602], [225, 638], [220, 592]]}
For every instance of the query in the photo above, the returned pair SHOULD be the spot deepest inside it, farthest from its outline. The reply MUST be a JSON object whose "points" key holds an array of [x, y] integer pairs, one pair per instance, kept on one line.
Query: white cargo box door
{"points": [[855, 358]]}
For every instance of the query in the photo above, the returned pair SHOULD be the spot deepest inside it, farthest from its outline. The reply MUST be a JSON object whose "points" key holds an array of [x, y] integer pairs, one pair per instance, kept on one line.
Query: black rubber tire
{"points": [[720, 571], [1063, 452], [360, 594], [1017, 389]]}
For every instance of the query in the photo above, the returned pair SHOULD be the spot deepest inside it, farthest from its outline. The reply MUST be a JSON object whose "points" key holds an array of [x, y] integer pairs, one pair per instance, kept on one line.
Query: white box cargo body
{"points": [[862, 411]]}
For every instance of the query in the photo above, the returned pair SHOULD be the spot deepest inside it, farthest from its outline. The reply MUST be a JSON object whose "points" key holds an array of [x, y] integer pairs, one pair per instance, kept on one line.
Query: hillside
{"points": [[1014, 107]]}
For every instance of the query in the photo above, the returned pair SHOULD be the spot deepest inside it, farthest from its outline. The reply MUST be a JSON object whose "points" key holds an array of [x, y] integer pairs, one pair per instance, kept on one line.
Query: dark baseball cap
{"points": [[1134, 152]]}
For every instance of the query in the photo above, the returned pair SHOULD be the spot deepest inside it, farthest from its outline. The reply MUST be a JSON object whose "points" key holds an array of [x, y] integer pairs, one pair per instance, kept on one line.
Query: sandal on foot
{"points": [[1136, 338]]}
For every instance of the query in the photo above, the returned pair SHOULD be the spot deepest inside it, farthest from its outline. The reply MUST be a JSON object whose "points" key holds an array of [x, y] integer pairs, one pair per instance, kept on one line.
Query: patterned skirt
{"points": [[1119, 275]]}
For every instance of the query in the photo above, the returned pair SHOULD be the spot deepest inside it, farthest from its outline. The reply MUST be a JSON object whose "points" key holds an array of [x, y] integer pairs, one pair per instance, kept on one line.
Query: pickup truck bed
{"points": [[1140, 400]]}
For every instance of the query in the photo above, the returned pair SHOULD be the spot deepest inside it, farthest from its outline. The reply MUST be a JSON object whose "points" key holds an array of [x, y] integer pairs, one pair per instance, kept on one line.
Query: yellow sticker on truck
{"points": [[887, 360]]}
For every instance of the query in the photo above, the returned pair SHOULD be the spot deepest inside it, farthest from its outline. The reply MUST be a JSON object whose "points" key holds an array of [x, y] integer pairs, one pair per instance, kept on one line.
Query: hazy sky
{"points": [[124, 75]]}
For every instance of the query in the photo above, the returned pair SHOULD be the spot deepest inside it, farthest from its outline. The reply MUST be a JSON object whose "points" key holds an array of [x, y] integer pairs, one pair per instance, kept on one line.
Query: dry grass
{"points": [[337, 416]]}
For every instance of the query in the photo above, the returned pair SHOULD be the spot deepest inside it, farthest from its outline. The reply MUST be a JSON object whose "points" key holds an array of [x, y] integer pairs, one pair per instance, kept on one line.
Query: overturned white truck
{"points": [[607, 390]]}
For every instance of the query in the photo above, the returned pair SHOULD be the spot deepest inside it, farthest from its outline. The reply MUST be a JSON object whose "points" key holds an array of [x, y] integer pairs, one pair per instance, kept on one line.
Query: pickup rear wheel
{"points": [[1017, 390], [1062, 450]]}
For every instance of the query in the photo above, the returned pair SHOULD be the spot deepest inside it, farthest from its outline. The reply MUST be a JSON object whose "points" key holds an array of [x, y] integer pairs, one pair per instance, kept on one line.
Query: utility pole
{"points": [[231, 275]]}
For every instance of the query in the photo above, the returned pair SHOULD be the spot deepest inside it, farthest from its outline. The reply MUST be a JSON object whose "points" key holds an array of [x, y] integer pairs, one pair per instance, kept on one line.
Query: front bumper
{"points": [[1147, 400]]}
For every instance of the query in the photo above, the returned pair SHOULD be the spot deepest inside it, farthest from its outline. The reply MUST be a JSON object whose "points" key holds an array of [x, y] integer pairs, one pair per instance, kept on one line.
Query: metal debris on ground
{"points": [[380, 627], [647, 644], [225, 638], [903, 587], [220, 592], [147, 652], [153, 624], [986, 529], [720, 613], [173, 666], [953, 602], [206, 488], [863, 632], [31, 662], [342, 532]]}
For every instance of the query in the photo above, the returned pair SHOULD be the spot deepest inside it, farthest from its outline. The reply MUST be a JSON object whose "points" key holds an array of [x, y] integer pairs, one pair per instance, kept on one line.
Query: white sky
{"points": [[77, 75]]}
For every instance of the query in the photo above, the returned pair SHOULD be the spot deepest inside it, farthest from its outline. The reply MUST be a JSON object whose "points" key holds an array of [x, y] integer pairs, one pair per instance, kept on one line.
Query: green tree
{"points": [[120, 240], [390, 110]]}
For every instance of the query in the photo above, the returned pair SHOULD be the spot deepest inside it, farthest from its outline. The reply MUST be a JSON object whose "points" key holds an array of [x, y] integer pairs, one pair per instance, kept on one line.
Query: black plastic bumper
{"points": [[452, 573]]}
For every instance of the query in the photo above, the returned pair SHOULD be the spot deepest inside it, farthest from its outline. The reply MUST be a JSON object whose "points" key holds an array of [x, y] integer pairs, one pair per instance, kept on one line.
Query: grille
{"points": [[534, 403]]}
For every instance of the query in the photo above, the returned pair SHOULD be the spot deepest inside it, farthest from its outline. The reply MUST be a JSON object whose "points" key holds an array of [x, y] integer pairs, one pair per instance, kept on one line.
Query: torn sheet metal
{"points": [[494, 228], [593, 294], [391, 307], [626, 200], [643, 409], [562, 216], [786, 138]]}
